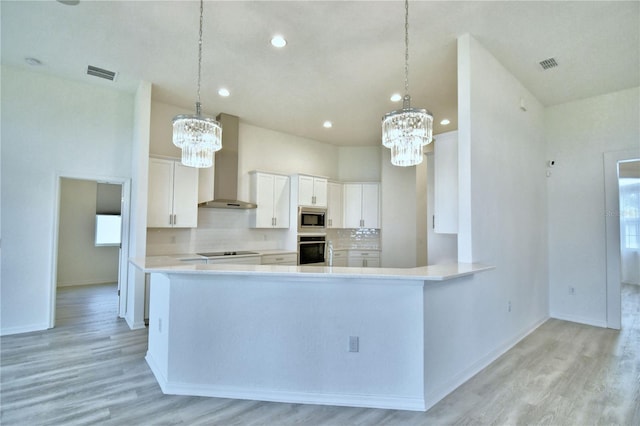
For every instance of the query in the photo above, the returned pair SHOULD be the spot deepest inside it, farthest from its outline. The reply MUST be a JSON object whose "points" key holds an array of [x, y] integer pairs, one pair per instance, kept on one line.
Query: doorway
{"points": [[629, 190], [612, 161], [91, 236]]}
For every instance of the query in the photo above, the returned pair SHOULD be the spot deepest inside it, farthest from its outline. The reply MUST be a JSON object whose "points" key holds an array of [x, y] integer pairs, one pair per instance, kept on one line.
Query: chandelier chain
{"points": [[406, 44], [199, 57]]}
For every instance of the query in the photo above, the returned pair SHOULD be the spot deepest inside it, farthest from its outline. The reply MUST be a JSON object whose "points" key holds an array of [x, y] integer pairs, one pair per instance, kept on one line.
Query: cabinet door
{"points": [[373, 262], [352, 205], [185, 196], [320, 192], [263, 196], [370, 205], [160, 197], [334, 205], [305, 190], [281, 201]]}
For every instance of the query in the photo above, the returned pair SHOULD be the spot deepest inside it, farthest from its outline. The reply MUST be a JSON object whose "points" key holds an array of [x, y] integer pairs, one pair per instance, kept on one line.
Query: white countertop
{"points": [[173, 264]]}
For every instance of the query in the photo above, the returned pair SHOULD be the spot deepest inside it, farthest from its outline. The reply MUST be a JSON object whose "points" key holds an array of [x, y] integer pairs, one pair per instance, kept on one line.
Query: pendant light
{"points": [[407, 130], [198, 136]]}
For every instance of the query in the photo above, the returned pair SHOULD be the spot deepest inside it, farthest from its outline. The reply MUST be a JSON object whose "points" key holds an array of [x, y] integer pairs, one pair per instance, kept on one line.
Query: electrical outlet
{"points": [[572, 291], [354, 344], [159, 325], [509, 306]]}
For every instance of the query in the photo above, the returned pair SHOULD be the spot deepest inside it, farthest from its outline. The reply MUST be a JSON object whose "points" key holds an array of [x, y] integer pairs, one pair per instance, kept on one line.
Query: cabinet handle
{"points": [[170, 219], [275, 221], [175, 219], [364, 263]]}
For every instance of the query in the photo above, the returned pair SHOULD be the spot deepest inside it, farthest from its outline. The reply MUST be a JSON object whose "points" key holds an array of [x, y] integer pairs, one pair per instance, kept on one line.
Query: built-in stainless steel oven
{"points": [[311, 249], [311, 219]]}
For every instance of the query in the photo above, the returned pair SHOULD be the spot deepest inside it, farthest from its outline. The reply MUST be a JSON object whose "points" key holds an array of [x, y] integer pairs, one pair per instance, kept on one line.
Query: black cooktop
{"points": [[226, 253]]}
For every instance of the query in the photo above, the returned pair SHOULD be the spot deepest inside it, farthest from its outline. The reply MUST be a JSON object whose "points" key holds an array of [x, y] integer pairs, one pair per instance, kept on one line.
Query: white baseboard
{"points": [[580, 320], [6, 331], [79, 283], [294, 397], [445, 388], [134, 325]]}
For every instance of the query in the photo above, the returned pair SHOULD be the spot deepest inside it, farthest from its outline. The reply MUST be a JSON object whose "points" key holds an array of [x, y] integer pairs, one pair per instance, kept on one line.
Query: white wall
{"points": [[50, 127], [271, 151], [134, 305], [468, 322], [398, 213], [80, 262], [359, 163], [578, 134]]}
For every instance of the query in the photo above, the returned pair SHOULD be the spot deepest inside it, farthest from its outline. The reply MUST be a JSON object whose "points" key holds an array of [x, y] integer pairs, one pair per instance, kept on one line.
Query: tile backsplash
{"points": [[218, 230], [360, 238], [222, 229]]}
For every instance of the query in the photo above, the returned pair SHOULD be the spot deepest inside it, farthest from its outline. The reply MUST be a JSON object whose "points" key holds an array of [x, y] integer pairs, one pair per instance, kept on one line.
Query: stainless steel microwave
{"points": [[311, 219]]}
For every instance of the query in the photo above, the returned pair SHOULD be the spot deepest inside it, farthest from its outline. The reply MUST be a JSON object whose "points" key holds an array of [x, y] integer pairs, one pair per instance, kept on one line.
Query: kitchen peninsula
{"points": [[314, 334]]}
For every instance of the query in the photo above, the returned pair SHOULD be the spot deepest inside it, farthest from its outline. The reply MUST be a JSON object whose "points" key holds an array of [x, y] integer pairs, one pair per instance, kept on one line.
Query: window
{"points": [[630, 212]]}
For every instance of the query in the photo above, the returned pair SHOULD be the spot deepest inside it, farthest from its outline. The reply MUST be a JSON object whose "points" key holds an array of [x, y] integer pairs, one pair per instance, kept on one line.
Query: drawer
{"points": [[280, 259]]}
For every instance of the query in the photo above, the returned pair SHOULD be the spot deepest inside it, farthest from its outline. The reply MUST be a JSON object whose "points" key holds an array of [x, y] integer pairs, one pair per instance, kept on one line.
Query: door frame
{"points": [[123, 263], [612, 233]]}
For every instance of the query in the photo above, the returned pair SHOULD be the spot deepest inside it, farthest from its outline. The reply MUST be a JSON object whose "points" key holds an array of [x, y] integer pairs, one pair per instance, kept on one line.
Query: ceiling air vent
{"points": [[548, 63], [102, 73]]}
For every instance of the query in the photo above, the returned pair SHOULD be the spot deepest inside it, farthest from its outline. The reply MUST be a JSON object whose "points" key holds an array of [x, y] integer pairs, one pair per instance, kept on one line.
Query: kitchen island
{"points": [[322, 335]]}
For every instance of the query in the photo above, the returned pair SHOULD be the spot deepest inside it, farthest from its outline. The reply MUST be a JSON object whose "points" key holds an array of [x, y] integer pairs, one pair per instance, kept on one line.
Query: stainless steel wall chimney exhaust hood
{"points": [[225, 181]]}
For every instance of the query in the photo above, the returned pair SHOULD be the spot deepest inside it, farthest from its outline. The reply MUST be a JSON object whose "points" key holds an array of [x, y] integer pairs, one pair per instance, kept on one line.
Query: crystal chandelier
{"points": [[407, 130], [198, 136]]}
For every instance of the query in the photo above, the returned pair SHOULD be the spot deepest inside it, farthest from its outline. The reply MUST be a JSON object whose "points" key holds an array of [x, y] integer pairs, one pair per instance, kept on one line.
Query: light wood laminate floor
{"points": [[90, 369]]}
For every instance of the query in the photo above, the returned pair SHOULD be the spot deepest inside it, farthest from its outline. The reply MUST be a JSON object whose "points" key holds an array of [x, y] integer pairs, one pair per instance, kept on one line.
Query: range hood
{"points": [[225, 171]]}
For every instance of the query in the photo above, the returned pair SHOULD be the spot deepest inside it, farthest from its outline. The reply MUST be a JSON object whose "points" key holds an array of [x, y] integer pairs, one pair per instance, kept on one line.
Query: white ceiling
{"points": [[343, 59]]}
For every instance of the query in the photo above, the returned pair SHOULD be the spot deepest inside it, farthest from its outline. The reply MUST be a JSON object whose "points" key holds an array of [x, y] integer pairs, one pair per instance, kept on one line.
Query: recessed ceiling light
{"points": [[278, 41], [33, 61], [327, 124], [223, 92], [445, 122], [396, 97]]}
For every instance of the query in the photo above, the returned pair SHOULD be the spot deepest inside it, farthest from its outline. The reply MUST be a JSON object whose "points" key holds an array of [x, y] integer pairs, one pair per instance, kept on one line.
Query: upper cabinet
{"points": [[271, 193], [312, 191], [445, 205], [173, 195], [361, 205], [334, 205]]}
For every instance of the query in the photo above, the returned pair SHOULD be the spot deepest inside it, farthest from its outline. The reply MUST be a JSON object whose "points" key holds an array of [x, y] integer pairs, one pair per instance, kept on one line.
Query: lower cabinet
{"points": [[340, 258], [290, 259], [364, 258]]}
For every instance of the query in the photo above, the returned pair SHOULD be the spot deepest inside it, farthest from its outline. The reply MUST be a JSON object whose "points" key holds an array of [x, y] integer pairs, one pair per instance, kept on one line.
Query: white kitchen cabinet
{"points": [[361, 205], [340, 258], [173, 195], [271, 194], [445, 155], [334, 205], [364, 258], [290, 259], [312, 191]]}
